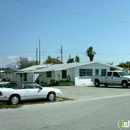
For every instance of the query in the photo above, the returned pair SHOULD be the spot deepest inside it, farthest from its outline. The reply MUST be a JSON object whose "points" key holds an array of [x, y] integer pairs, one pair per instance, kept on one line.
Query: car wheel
{"points": [[14, 99], [124, 84], [97, 83], [51, 96]]}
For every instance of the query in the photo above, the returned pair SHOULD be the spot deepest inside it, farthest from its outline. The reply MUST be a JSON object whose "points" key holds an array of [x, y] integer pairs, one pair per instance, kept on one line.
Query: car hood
{"points": [[51, 89], [128, 76]]}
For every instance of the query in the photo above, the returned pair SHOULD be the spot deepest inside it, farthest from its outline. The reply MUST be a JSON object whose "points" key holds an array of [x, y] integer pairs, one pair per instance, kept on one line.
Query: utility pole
{"points": [[61, 55], [39, 52], [36, 56], [69, 56]]}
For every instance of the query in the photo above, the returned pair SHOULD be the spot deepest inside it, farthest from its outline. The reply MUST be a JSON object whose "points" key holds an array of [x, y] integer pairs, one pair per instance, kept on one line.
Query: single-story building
{"points": [[80, 73], [2, 74]]}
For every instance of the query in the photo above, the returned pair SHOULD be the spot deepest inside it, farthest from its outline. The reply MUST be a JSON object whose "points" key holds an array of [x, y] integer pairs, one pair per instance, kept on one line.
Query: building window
{"points": [[25, 76], [64, 74], [96, 71], [82, 72], [89, 72], [48, 74], [103, 72], [85, 72]]}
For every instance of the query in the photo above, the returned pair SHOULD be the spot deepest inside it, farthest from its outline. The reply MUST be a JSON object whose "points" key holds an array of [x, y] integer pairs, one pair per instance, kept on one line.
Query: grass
{"points": [[4, 105]]}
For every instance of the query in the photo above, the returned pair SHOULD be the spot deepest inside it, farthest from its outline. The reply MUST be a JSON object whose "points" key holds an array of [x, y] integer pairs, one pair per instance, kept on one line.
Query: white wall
{"points": [[14, 77], [86, 80], [30, 77], [46, 79], [71, 72], [57, 75]]}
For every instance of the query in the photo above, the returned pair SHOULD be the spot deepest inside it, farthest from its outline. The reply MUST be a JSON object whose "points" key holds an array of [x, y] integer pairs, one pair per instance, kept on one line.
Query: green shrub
{"points": [[65, 83]]}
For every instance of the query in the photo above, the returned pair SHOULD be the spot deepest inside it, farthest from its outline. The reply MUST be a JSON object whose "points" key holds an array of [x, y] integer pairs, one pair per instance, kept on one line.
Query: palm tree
{"points": [[70, 60], [77, 59], [90, 53]]}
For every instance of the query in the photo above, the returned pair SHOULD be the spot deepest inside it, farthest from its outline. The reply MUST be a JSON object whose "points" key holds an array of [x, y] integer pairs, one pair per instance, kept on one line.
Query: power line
{"points": [[74, 12], [97, 53], [16, 52]]}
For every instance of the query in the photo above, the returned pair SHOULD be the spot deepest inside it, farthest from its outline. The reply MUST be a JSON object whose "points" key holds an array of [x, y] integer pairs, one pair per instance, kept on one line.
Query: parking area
{"points": [[87, 92]]}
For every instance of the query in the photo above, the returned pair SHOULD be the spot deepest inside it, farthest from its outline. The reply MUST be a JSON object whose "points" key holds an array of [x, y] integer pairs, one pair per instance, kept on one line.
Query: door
{"points": [[109, 78], [34, 91], [116, 78]]}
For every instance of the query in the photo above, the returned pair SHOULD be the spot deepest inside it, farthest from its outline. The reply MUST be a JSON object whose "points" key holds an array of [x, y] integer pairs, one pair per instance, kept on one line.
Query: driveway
{"points": [[88, 92]]}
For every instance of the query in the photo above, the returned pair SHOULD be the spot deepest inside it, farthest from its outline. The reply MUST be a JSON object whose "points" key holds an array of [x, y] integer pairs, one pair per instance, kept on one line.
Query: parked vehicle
{"points": [[16, 92], [112, 77], [3, 84]]}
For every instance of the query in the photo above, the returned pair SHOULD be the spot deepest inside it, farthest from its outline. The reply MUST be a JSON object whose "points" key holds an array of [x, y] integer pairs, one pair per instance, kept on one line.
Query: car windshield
{"points": [[3, 85], [123, 73], [13, 85]]}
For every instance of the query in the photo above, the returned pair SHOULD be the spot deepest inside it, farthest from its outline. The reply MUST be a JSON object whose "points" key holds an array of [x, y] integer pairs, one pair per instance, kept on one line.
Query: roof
{"points": [[56, 67], [126, 68]]}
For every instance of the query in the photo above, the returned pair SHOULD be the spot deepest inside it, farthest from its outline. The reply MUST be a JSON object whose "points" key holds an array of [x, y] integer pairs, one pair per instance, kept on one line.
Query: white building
{"points": [[80, 73]]}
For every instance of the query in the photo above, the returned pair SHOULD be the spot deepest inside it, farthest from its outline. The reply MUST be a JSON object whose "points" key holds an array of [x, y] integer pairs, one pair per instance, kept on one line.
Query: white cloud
{"points": [[30, 58], [13, 60], [16, 57]]}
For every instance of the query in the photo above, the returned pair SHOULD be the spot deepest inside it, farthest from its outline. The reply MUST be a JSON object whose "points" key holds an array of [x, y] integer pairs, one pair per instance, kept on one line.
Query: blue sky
{"points": [[73, 24]]}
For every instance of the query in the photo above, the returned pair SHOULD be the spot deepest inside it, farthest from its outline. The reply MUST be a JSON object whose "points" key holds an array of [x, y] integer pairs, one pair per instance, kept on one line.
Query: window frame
{"points": [[64, 74], [82, 72], [89, 72], [103, 73], [48, 74], [85, 72], [25, 76], [96, 73]]}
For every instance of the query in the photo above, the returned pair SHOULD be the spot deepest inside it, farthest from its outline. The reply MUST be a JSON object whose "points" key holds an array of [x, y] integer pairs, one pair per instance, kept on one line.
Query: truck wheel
{"points": [[97, 83], [124, 84]]}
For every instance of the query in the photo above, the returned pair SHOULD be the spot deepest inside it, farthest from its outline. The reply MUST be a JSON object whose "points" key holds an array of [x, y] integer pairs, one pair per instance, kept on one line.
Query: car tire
{"points": [[97, 83], [51, 96], [124, 84], [14, 99]]}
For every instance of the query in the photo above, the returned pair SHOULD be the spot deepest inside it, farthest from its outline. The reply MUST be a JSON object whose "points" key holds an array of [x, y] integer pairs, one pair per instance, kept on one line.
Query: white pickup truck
{"points": [[112, 77]]}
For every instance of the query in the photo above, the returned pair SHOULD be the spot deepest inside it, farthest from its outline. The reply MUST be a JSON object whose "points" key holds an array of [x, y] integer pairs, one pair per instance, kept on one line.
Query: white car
{"points": [[16, 92]]}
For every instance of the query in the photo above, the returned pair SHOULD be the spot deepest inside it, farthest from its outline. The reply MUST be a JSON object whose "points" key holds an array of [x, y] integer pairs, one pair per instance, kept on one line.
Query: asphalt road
{"points": [[83, 92], [97, 112]]}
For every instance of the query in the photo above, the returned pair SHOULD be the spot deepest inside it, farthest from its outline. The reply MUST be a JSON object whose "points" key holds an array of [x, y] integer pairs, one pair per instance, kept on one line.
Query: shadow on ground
{"points": [[4, 105], [109, 86]]}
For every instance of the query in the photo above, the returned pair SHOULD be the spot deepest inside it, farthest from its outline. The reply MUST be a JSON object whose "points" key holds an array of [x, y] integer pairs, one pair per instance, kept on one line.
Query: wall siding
{"points": [[86, 80]]}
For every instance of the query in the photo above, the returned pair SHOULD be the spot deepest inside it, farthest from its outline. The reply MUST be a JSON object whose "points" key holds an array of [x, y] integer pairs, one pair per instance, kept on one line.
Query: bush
{"points": [[4, 79], [65, 83]]}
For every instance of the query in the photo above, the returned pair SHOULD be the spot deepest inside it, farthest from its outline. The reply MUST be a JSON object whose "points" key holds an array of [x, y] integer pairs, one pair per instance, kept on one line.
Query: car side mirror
{"points": [[40, 87]]}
